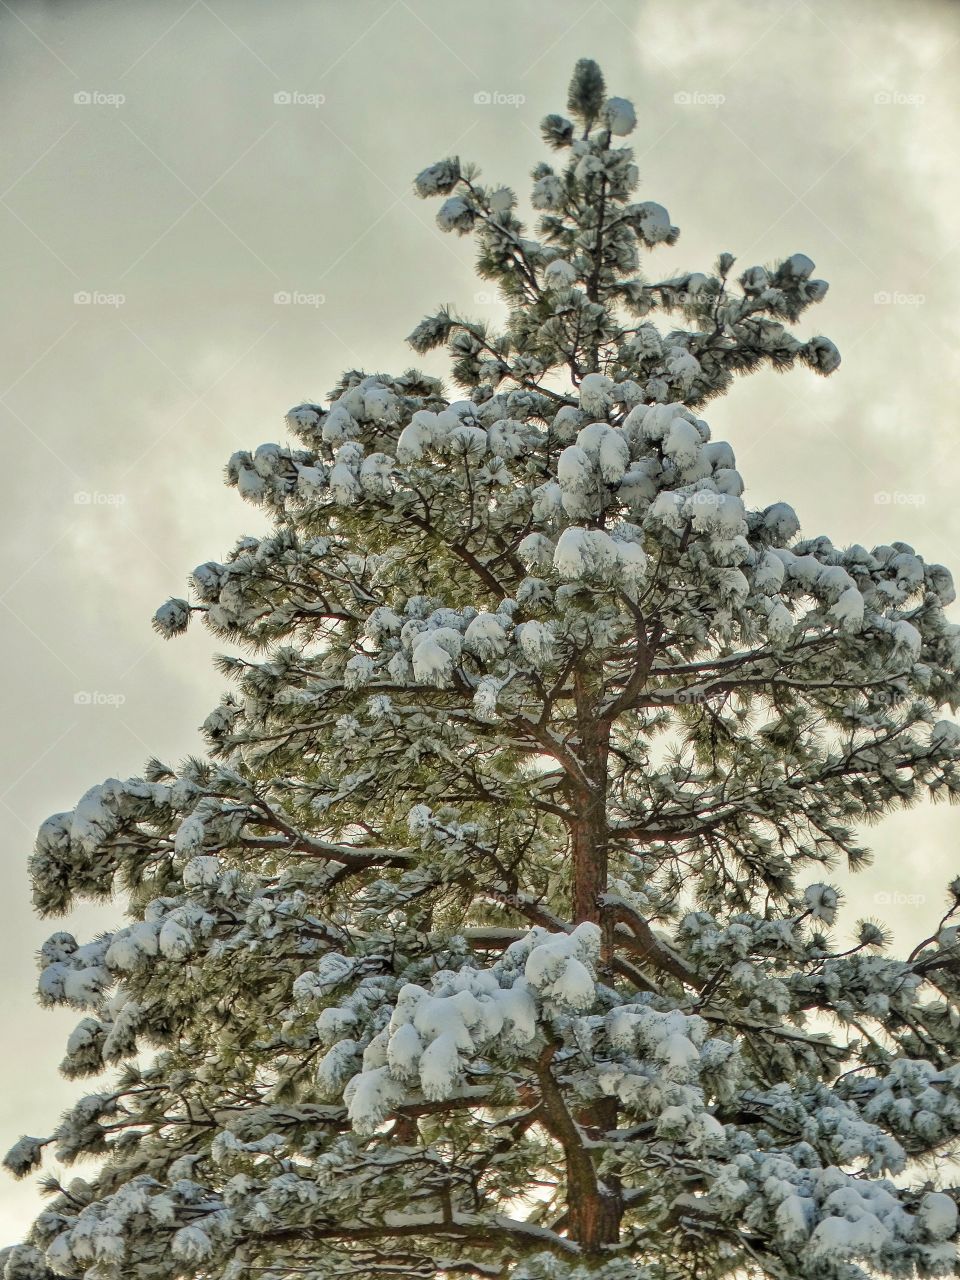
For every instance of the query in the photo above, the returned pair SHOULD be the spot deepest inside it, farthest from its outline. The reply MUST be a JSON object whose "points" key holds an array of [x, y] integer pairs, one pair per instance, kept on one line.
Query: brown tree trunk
{"points": [[594, 1209], [595, 1219], [589, 866], [588, 832]]}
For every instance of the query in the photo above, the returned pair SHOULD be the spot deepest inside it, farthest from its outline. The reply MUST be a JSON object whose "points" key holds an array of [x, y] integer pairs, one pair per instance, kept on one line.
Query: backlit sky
{"points": [[148, 167]]}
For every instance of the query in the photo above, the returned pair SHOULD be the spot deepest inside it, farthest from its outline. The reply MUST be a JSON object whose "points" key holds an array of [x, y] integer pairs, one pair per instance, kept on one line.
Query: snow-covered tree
{"points": [[490, 938]]}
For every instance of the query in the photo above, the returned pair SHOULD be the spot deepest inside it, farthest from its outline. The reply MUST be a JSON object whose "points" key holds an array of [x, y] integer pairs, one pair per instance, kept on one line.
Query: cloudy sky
{"points": [[169, 168]]}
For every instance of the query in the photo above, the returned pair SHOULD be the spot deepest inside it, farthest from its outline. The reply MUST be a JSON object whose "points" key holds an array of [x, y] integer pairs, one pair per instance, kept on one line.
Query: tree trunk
{"points": [[594, 1210], [589, 866], [595, 1219], [588, 831]]}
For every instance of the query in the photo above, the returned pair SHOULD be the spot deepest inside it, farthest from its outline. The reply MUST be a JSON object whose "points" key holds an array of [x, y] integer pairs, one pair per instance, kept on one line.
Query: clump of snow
{"points": [[781, 523], [653, 222], [847, 610], [798, 266], [561, 966], [434, 654], [438, 179], [596, 394], [456, 214], [191, 1244], [560, 274], [938, 1215], [822, 901], [172, 618], [189, 835], [202, 872], [619, 116], [485, 636], [23, 1156]]}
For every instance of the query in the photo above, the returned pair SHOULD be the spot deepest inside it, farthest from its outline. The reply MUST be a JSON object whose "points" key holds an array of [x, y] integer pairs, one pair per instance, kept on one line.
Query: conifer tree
{"points": [[492, 937]]}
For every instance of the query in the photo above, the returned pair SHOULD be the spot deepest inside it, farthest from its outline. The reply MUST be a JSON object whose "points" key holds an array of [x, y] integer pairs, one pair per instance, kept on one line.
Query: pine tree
{"points": [[483, 942]]}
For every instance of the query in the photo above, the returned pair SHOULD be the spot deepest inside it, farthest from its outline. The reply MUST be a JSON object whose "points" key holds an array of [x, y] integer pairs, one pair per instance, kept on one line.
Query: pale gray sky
{"points": [[828, 127]]}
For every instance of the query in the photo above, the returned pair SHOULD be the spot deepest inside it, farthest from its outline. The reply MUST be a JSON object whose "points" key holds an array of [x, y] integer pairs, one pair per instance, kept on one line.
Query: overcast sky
{"points": [[156, 196]]}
